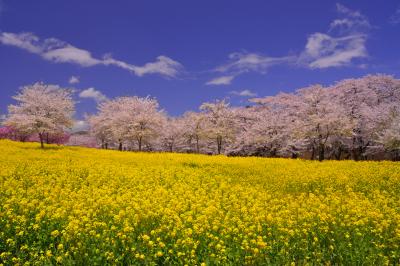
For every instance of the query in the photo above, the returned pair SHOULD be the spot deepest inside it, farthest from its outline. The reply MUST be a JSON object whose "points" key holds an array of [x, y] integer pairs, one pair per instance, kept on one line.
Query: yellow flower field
{"points": [[69, 205]]}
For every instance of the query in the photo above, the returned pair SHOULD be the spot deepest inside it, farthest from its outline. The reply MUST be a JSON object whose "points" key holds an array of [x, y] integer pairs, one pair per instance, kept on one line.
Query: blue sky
{"points": [[187, 52]]}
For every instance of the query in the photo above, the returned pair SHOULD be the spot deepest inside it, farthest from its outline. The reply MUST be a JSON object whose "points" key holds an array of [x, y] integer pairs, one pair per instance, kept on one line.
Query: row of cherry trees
{"points": [[352, 119]]}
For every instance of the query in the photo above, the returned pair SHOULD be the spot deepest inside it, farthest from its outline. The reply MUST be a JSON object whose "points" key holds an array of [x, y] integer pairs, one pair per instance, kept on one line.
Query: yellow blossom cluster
{"points": [[70, 205]]}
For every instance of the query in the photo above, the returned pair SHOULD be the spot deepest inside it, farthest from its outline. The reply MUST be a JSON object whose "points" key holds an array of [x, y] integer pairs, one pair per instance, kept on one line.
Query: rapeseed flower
{"points": [[82, 206]]}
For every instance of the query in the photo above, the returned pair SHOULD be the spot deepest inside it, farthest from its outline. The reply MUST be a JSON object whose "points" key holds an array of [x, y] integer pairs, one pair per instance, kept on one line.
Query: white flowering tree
{"points": [[129, 120], [390, 136], [263, 131], [41, 109], [219, 123], [194, 131], [100, 128], [367, 102], [305, 120], [171, 136], [319, 118]]}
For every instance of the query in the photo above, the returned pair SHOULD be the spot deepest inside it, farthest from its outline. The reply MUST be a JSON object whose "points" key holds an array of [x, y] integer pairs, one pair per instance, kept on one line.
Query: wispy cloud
{"points": [[349, 20], [251, 62], [242, 62], [344, 41], [244, 93], [395, 18], [323, 51], [163, 65], [57, 51], [94, 94], [73, 80], [223, 80]]}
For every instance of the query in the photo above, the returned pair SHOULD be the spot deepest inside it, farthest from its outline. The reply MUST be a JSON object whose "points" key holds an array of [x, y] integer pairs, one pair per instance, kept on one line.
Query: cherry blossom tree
{"points": [[194, 131], [366, 102], [110, 121], [390, 138], [277, 124], [307, 119], [41, 109], [264, 131], [7, 132], [171, 136], [51, 138], [319, 118], [100, 127], [128, 119], [219, 123], [143, 119]]}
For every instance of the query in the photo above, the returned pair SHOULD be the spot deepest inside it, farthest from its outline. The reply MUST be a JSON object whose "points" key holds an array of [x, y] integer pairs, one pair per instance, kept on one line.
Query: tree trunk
{"points": [[120, 146], [41, 140], [321, 152], [219, 144], [197, 144], [273, 152], [396, 156], [354, 154], [140, 143], [106, 145], [313, 153], [47, 138], [357, 149], [338, 154]]}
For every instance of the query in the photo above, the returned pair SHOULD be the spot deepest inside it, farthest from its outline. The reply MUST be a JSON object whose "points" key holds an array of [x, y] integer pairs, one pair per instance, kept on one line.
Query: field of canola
{"points": [[69, 205]]}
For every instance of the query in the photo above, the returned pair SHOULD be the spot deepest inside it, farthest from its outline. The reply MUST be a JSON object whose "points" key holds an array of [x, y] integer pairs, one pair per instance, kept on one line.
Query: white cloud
{"points": [[245, 62], [244, 93], [349, 20], [60, 52], [163, 65], [346, 41], [242, 62], [80, 125], [395, 18], [73, 80], [347, 11], [326, 51], [26, 41], [71, 54], [98, 96], [341, 23], [224, 80]]}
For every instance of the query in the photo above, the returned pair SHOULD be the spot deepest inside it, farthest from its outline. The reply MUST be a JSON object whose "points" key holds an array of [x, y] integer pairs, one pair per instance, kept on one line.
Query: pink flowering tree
{"points": [[129, 120], [219, 123], [7, 132], [41, 109], [194, 131]]}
